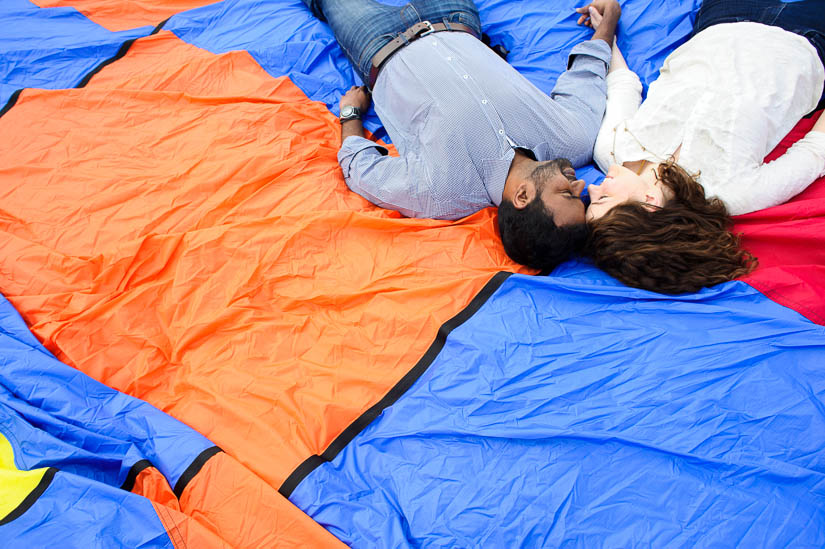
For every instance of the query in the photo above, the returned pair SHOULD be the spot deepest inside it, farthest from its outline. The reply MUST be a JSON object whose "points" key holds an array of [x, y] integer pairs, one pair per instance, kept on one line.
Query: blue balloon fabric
{"points": [[573, 411], [56, 416], [102, 516], [52, 48], [566, 410]]}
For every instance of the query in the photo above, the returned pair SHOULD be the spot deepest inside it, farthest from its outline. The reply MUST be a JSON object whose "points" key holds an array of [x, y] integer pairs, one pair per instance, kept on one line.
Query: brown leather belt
{"points": [[412, 34]]}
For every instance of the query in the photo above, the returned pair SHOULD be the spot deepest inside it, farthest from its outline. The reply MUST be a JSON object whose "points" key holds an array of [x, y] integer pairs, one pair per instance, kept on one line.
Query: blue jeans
{"points": [[362, 27], [805, 18]]}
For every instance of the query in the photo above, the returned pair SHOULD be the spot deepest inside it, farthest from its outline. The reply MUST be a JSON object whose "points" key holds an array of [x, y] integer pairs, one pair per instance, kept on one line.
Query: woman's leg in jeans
{"points": [[362, 27], [806, 18]]}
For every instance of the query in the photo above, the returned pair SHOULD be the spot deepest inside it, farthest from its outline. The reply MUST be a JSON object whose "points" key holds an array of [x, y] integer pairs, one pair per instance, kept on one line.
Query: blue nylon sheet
{"points": [[571, 411]]}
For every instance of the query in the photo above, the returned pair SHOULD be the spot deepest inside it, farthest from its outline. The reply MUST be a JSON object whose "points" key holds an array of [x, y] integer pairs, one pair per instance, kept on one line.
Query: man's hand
{"points": [[357, 96], [602, 16], [590, 18]]}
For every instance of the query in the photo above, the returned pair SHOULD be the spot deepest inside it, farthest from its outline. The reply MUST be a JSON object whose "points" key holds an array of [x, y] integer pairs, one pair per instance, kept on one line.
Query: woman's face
{"points": [[623, 185]]}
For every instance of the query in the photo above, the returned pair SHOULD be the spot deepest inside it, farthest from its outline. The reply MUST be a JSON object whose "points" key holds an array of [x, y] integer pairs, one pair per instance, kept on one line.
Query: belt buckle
{"points": [[429, 29]]}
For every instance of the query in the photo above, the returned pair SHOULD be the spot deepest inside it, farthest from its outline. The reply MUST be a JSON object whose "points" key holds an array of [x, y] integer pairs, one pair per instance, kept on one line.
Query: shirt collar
{"points": [[494, 174]]}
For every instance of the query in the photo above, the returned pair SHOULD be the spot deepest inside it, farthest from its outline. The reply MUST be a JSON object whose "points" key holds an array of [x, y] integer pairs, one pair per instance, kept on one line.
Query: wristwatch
{"points": [[348, 112]]}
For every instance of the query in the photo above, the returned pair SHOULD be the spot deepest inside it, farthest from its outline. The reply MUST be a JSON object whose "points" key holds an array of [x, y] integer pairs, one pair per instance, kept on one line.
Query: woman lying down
{"points": [[691, 154]]}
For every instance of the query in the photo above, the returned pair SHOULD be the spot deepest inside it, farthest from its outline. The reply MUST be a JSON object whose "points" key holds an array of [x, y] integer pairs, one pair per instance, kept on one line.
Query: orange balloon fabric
{"points": [[180, 230]]}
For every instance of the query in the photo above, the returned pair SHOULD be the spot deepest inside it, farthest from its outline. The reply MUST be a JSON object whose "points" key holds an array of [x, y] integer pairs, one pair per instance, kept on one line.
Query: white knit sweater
{"points": [[727, 96]]}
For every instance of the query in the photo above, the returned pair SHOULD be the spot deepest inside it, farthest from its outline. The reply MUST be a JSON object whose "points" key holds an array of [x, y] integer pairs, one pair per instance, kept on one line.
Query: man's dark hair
{"points": [[532, 238]]}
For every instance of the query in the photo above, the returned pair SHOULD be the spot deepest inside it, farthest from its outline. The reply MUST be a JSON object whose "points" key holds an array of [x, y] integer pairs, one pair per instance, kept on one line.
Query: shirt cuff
{"points": [[593, 48], [353, 145]]}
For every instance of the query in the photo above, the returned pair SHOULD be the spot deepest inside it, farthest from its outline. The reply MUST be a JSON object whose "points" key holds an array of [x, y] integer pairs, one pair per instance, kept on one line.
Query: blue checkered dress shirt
{"points": [[455, 111]]}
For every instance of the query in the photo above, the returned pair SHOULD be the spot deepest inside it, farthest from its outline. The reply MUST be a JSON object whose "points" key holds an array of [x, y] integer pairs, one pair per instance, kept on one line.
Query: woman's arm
{"points": [[776, 182], [617, 61], [624, 95]]}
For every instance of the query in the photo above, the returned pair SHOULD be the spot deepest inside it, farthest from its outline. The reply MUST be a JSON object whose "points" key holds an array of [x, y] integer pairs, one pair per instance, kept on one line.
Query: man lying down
{"points": [[470, 130]]}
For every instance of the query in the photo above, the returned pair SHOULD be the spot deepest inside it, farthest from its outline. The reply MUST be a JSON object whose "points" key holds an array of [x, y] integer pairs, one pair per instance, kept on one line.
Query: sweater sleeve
{"points": [[776, 182], [624, 95]]}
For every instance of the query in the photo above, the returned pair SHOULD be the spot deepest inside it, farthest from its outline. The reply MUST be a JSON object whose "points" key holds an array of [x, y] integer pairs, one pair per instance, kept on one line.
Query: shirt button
{"points": [[483, 101], [466, 76], [501, 132], [435, 43], [449, 59]]}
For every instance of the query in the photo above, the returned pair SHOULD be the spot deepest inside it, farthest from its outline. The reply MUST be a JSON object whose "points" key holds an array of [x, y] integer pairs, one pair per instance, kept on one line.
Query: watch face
{"points": [[349, 112]]}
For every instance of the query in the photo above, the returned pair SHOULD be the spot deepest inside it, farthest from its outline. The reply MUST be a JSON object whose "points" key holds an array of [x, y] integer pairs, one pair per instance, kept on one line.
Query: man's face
{"points": [[559, 190]]}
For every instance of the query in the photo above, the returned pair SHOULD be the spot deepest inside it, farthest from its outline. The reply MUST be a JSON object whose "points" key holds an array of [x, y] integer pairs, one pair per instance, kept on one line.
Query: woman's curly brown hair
{"points": [[679, 248]]}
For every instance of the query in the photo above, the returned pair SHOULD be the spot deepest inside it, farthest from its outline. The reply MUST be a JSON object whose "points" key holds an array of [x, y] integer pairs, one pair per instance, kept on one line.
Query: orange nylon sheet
{"points": [[118, 15], [184, 235]]}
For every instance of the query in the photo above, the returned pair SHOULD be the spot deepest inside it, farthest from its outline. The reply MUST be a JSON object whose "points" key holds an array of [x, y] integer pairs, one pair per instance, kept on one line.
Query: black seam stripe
{"points": [[194, 468], [136, 469], [341, 441], [10, 103], [124, 48], [85, 80], [32, 497]]}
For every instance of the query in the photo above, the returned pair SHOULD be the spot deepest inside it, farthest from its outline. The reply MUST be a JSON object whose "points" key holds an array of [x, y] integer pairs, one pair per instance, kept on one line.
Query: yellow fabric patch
{"points": [[15, 484]]}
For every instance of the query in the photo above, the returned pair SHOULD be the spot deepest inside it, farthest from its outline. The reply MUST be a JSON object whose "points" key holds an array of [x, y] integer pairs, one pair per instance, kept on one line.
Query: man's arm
{"points": [[579, 95], [359, 97], [593, 18], [368, 171]]}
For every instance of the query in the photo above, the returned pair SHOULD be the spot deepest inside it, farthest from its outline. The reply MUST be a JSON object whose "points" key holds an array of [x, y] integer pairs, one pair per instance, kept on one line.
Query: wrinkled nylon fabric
{"points": [[213, 204], [51, 415], [251, 259], [788, 240], [52, 48], [117, 15], [571, 413], [179, 230], [102, 516], [55, 416], [50, 405]]}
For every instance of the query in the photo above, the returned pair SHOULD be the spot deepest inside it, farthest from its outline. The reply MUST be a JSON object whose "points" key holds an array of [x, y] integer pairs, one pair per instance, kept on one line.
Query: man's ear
{"points": [[524, 194]]}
